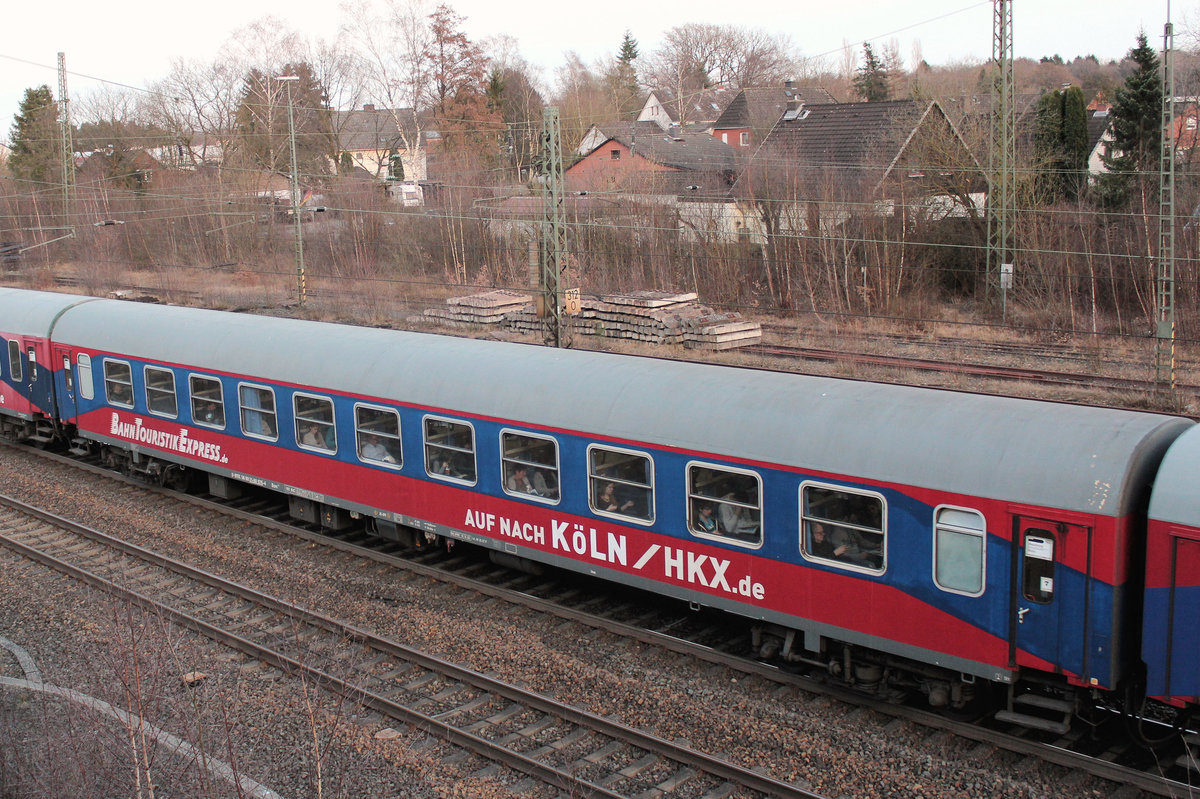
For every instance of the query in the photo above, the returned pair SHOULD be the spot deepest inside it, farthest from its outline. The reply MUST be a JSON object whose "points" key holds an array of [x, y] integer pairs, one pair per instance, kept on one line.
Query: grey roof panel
{"points": [[1175, 487], [1072, 457], [32, 313]]}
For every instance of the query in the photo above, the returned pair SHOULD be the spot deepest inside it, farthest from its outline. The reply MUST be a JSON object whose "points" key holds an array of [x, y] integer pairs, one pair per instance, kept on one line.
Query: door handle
{"points": [[1021, 615]]}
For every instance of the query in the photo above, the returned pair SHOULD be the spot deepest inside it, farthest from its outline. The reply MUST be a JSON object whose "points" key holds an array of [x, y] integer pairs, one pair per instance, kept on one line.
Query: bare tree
{"points": [[581, 98], [391, 63], [698, 56]]}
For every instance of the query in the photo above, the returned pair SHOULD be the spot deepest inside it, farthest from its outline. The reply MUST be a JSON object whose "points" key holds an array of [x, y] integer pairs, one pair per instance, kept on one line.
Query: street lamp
{"points": [[300, 289]]}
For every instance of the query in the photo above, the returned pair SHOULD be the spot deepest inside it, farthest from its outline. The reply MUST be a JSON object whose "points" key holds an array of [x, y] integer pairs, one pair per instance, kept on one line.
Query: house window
{"points": [[745, 138], [725, 138], [615, 155]]}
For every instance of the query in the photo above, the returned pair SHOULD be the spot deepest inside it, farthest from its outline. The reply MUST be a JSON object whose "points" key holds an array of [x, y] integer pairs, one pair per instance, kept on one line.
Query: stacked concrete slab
{"points": [[652, 316]]}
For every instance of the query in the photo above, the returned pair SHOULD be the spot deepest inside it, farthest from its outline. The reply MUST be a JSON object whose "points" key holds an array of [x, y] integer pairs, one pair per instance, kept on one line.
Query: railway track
{"points": [[555, 744], [1097, 749], [992, 371]]}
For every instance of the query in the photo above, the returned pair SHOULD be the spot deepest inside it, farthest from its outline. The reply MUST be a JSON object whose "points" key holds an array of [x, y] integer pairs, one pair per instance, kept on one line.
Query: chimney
{"points": [[368, 107]]}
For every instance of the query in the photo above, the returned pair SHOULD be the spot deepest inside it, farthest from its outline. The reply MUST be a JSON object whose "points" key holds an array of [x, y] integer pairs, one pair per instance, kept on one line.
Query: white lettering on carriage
{"points": [[180, 442]]}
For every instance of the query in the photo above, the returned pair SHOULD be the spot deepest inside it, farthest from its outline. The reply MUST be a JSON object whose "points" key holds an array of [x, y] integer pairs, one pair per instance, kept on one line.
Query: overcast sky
{"points": [[134, 41]]}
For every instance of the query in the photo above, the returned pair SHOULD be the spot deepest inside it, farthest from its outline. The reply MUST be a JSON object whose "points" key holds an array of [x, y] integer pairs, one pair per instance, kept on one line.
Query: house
{"points": [[690, 111], [824, 163], [384, 142], [752, 113], [191, 152], [1185, 131], [601, 132], [129, 169], [1100, 137], [639, 162]]}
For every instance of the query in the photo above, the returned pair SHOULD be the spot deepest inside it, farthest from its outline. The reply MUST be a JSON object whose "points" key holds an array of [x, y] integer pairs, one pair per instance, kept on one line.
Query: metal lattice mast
{"points": [[1164, 359], [301, 288], [68, 146], [1002, 152], [554, 233]]}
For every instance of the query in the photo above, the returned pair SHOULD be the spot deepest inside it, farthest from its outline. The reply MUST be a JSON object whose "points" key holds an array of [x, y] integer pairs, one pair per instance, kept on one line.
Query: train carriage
{"points": [[1170, 645], [896, 534], [26, 327]]}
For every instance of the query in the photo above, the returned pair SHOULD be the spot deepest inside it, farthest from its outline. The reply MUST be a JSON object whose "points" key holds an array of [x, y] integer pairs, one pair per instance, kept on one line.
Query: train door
{"points": [[37, 379], [67, 406], [22, 376], [18, 375], [1183, 648], [1050, 597]]}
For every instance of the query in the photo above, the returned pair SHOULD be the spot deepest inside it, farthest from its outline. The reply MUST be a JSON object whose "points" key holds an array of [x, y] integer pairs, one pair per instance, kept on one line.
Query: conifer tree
{"points": [[34, 138], [871, 79], [1132, 158], [1061, 140], [628, 92]]}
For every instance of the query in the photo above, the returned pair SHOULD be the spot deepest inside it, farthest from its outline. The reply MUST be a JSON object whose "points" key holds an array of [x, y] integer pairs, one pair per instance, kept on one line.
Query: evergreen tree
{"points": [[1132, 158], [1061, 141], [871, 79], [262, 122], [629, 93], [35, 138]]}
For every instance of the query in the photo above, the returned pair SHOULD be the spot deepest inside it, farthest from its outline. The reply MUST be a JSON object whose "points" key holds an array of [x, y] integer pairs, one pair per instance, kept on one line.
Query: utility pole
{"points": [[1001, 202], [553, 234], [1164, 355], [300, 277], [68, 147]]}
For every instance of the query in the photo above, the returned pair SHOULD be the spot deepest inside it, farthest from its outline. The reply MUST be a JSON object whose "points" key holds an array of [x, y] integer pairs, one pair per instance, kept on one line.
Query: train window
{"points": [[314, 423], [160, 392], [959, 550], [843, 527], [450, 449], [377, 434], [1038, 583], [118, 383], [529, 465], [258, 411], [83, 372], [725, 504], [208, 404], [14, 361], [621, 483], [33, 370]]}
